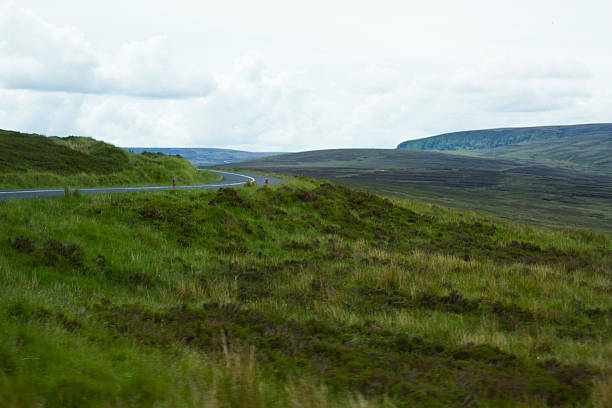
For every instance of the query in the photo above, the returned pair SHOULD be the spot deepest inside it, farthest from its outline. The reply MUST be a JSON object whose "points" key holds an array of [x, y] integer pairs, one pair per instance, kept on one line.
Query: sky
{"points": [[283, 75]]}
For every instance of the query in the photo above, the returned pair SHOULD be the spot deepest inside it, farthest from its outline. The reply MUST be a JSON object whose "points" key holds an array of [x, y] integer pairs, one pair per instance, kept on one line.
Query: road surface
{"points": [[230, 179]]}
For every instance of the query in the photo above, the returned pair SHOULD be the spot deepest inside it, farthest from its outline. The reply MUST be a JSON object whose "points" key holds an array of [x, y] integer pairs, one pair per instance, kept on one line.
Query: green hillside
{"points": [[510, 189], [30, 160], [304, 294], [588, 153], [586, 147], [491, 138]]}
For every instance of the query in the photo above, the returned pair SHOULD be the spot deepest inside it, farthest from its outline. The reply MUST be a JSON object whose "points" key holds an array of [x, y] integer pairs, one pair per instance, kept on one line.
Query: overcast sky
{"points": [[288, 75]]}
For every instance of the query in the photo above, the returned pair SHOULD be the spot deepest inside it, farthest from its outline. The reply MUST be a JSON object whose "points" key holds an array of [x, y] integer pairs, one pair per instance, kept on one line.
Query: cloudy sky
{"points": [[285, 75]]}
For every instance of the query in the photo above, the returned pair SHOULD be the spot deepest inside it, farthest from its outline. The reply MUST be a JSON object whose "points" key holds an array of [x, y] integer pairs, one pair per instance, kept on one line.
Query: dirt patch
{"points": [[22, 243], [230, 197], [51, 253]]}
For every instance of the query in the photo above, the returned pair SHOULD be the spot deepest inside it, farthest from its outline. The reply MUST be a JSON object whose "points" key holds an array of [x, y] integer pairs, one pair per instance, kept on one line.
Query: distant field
{"points": [[587, 154], [204, 156], [30, 160], [582, 147], [509, 189]]}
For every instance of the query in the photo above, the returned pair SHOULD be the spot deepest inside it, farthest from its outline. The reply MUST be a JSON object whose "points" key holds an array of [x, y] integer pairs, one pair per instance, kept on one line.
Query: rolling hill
{"points": [[31, 160], [527, 192], [587, 153], [204, 156], [304, 294], [583, 147]]}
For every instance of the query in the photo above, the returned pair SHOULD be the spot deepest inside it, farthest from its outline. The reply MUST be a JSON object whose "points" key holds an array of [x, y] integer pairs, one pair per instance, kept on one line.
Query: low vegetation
{"points": [[304, 294], [28, 161], [491, 138], [524, 192], [587, 148]]}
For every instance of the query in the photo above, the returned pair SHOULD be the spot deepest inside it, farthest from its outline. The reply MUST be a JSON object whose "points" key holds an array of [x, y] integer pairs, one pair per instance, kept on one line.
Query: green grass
{"points": [[514, 190], [588, 153], [583, 147], [28, 161], [304, 294]]}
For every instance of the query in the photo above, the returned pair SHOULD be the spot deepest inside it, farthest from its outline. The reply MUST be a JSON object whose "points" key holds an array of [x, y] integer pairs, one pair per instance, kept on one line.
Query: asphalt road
{"points": [[230, 179]]}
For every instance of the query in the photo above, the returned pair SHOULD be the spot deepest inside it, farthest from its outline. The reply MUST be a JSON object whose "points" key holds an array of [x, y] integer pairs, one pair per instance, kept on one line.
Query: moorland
{"points": [[525, 191], [303, 294], [587, 148]]}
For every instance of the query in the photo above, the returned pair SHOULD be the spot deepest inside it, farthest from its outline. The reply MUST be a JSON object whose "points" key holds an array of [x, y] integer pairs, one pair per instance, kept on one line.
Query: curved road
{"points": [[230, 179]]}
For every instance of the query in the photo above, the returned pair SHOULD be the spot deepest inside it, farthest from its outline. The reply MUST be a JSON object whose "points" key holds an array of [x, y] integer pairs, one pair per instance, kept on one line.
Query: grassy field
{"points": [[514, 190], [304, 294], [582, 147], [28, 160]]}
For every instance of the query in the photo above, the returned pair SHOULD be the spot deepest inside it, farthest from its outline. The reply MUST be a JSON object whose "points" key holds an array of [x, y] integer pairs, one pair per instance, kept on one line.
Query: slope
{"points": [[586, 147], [30, 160], [506, 188], [587, 153], [304, 294]]}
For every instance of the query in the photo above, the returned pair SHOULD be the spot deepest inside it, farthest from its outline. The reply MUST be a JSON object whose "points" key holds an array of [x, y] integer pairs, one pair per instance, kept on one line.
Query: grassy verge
{"points": [[146, 171], [304, 294]]}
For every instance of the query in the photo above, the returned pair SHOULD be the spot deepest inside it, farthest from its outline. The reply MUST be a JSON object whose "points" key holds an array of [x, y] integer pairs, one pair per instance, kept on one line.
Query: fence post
{"points": [[172, 183]]}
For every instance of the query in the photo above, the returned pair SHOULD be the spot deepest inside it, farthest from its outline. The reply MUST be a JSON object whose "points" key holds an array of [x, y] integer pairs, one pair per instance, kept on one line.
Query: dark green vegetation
{"points": [[525, 192], [28, 160], [204, 156], [587, 153], [583, 147], [305, 294]]}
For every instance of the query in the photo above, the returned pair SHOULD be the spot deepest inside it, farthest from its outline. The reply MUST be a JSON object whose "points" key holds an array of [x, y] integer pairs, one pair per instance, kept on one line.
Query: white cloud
{"points": [[40, 112], [147, 69], [36, 55], [58, 80], [375, 80]]}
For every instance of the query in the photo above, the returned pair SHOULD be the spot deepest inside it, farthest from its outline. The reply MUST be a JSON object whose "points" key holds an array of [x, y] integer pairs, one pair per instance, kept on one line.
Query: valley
{"points": [[525, 192]]}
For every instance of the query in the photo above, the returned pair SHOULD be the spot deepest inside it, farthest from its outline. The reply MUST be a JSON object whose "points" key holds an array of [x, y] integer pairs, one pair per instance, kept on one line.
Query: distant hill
{"points": [[31, 160], [528, 192], [587, 147], [204, 156], [492, 138], [586, 152]]}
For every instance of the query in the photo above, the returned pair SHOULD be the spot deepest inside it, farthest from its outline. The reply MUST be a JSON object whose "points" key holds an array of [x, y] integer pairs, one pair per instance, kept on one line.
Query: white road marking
{"points": [[235, 174], [103, 189], [29, 191]]}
